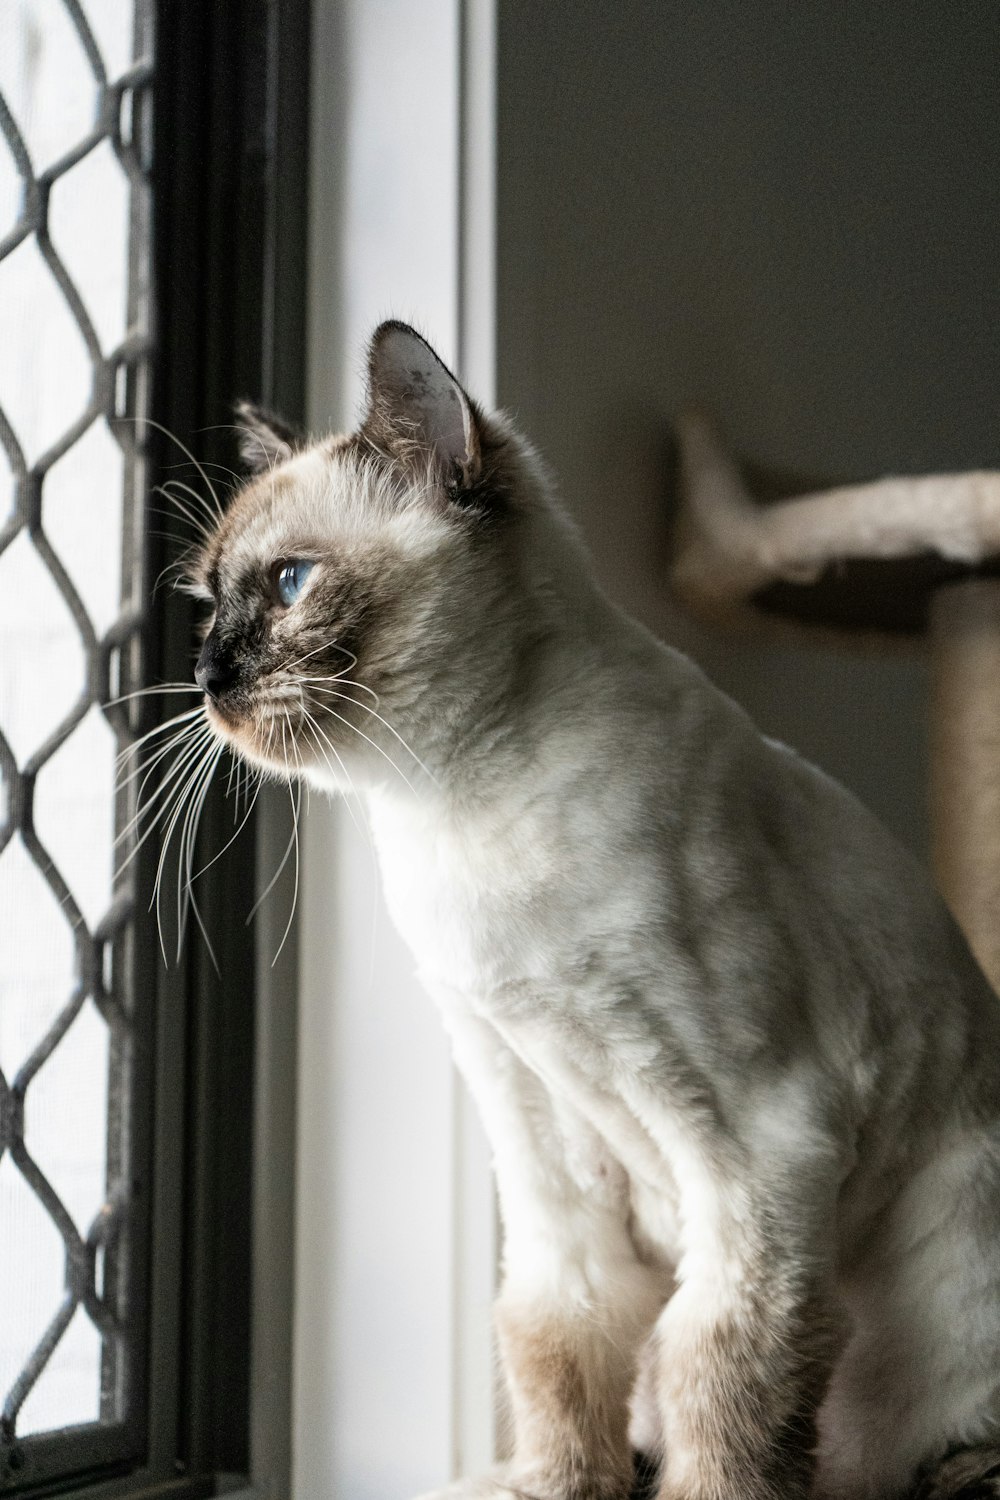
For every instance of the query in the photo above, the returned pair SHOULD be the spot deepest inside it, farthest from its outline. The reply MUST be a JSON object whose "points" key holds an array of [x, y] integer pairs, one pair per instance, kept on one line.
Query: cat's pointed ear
{"points": [[417, 408], [265, 440]]}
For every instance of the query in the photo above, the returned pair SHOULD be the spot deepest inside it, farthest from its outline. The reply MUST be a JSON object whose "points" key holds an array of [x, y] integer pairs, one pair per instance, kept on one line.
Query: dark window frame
{"points": [[230, 152]]}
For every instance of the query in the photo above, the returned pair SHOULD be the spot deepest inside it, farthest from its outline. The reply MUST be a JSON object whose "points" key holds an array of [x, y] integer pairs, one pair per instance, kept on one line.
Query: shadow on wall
{"points": [[786, 216]]}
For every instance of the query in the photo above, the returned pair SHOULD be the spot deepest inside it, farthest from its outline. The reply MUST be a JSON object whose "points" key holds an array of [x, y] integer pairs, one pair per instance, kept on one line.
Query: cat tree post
{"points": [[898, 558], [965, 759]]}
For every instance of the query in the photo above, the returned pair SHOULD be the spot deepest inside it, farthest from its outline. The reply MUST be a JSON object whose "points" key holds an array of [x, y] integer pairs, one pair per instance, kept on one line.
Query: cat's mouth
{"points": [[235, 724], [279, 728], [222, 713], [264, 731]]}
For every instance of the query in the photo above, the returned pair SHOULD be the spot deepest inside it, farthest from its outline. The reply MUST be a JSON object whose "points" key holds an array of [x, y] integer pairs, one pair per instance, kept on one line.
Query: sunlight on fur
{"points": [[739, 1070]]}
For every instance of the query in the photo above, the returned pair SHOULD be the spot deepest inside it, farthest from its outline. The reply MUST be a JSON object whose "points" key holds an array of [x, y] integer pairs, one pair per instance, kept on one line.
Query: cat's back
{"points": [[634, 807]]}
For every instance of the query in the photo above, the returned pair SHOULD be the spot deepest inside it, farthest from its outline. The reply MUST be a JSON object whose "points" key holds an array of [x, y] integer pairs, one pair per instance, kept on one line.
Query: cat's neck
{"points": [[517, 676]]}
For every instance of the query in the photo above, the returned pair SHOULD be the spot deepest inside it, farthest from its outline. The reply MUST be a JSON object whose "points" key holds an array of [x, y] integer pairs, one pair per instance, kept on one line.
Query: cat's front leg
{"points": [[577, 1303], [746, 1345]]}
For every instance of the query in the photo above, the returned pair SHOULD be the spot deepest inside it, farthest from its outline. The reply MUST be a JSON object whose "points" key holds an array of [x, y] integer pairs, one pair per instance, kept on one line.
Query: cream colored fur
{"points": [[740, 1073]]}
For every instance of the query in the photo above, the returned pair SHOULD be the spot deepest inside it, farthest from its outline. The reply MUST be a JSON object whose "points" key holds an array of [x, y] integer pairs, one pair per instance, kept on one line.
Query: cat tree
{"points": [[898, 559]]}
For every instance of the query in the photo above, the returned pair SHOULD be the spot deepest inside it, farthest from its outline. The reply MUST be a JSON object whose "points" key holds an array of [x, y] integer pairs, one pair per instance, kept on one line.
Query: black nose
{"points": [[216, 670]]}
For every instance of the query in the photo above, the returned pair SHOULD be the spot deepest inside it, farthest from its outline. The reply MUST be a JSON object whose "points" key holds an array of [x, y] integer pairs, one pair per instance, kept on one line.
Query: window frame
{"points": [[230, 184], [230, 123]]}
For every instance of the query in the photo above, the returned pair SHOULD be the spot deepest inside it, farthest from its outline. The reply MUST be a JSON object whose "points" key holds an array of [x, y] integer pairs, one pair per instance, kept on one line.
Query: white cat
{"points": [[740, 1073]]}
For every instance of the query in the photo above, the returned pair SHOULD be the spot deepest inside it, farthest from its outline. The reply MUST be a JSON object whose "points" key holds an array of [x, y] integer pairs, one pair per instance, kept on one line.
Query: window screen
{"points": [[75, 356]]}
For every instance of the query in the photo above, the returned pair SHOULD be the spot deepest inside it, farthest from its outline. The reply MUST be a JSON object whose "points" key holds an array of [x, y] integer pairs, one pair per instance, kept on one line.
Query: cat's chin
{"points": [[243, 735], [267, 750]]}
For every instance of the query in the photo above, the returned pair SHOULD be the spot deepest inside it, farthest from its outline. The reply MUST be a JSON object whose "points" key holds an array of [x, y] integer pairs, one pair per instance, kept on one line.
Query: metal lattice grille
{"points": [[75, 357]]}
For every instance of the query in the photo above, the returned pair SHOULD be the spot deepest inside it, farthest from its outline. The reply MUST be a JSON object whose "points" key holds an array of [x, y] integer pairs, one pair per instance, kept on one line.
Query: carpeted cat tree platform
{"points": [[912, 559]]}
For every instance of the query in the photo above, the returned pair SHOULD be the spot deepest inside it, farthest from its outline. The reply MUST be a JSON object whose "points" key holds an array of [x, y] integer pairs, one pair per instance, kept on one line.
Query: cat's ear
{"points": [[265, 440], [416, 407]]}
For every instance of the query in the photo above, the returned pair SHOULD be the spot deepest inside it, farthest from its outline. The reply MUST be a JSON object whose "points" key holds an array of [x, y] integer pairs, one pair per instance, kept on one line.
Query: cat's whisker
{"points": [[241, 784], [347, 682], [184, 861], [292, 843], [319, 736], [190, 549], [180, 507], [233, 765], [179, 779], [396, 735], [300, 769], [186, 899], [190, 456], [134, 746], [196, 497], [213, 464], [203, 517], [375, 746], [176, 573], [149, 692], [189, 735], [169, 790], [352, 791], [146, 767], [325, 646], [183, 749], [296, 801], [208, 758]]}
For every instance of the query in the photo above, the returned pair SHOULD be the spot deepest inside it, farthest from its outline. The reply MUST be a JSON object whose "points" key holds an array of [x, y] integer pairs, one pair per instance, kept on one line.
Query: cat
{"points": [[739, 1070]]}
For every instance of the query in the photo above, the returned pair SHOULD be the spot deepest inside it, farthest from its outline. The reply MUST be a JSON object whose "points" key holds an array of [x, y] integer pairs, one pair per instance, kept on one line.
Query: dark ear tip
{"points": [[384, 331], [394, 325]]}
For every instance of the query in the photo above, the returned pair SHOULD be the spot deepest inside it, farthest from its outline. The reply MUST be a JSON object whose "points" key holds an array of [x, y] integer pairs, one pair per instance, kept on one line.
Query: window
{"points": [[151, 192], [74, 388]]}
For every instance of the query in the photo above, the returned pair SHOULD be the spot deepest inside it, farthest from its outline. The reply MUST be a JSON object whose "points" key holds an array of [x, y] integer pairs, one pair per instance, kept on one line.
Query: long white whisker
{"points": [[189, 455], [181, 507], [277, 874], [186, 901], [187, 754], [211, 463], [325, 646], [339, 677], [179, 484], [135, 745], [191, 781], [147, 692], [173, 790], [375, 714], [192, 904], [185, 757], [296, 800], [145, 768], [316, 732], [251, 804], [368, 740]]}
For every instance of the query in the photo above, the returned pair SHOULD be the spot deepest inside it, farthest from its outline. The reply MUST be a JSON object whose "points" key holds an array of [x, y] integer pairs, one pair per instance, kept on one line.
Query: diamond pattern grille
{"points": [[75, 122]]}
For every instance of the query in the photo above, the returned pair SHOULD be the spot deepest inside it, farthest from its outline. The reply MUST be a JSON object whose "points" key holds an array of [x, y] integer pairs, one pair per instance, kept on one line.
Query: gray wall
{"points": [[791, 214]]}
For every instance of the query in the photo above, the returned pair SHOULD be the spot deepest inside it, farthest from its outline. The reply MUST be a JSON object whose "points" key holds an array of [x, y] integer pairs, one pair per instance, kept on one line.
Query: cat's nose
{"points": [[216, 670]]}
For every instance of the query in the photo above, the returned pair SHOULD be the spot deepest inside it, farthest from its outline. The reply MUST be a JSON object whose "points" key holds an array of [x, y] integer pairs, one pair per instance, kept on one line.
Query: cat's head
{"points": [[362, 587]]}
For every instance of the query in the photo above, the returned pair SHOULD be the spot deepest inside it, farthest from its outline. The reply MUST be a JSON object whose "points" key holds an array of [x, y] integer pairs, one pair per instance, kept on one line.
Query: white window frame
{"points": [[392, 1380]]}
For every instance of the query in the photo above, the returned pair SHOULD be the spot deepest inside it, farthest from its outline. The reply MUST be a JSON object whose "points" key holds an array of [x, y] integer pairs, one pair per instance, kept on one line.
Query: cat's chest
{"points": [[475, 906], [504, 927]]}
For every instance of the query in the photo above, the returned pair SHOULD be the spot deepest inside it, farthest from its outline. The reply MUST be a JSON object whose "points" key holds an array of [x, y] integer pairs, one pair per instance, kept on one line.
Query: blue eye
{"points": [[290, 579]]}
